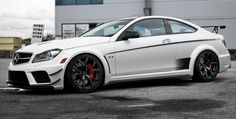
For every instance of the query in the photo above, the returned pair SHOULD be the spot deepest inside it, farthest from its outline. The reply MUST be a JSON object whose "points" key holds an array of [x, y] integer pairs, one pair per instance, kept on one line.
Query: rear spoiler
{"points": [[215, 28]]}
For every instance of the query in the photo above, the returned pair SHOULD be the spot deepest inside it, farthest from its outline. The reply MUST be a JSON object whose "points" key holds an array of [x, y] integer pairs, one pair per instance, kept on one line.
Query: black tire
{"points": [[206, 67], [84, 74]]}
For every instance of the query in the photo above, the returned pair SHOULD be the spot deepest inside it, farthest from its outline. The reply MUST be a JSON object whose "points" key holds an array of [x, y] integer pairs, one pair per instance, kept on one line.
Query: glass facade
{"points": [[78, 2]]}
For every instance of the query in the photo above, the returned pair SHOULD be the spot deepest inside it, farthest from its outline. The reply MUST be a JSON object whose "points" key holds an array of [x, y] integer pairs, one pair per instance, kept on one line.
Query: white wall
{"points": [[111, 9], [201, 12], [229, 33]]}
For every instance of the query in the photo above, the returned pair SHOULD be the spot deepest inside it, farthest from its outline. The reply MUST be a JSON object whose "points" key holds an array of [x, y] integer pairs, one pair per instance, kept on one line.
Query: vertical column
{"points": [[147, 8]]}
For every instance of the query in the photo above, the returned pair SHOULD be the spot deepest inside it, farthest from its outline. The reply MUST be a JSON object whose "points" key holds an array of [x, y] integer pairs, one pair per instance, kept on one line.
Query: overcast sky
{"points": [[18, 16]]}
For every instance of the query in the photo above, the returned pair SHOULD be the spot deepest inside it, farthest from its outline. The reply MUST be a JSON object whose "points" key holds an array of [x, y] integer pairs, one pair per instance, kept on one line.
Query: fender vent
{"points": [[183, 63]]}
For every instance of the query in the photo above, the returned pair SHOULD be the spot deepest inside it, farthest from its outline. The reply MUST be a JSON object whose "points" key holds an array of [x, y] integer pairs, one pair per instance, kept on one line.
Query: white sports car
{"points": [[129, 48]]}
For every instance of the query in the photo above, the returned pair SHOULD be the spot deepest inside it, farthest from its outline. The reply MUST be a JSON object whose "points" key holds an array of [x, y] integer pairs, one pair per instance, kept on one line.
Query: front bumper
{"points": [[39, 75]]}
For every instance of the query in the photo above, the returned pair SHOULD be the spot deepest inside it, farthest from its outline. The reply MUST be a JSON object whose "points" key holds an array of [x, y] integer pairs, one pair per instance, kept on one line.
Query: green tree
{"points": [[26, 41], [48, 37]]}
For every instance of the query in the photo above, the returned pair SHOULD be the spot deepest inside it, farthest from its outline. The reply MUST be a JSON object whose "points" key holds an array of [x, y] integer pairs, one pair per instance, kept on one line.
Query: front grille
{"points": [[41, 77], [18, 79], [19, 58]]}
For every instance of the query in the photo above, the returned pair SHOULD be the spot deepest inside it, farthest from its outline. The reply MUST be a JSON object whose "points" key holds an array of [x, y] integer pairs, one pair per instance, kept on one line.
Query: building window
{"points": [[97, 1], [65, 2], [80, 29], [82, 2], [78, 2], [68, 30], [75, 30]]}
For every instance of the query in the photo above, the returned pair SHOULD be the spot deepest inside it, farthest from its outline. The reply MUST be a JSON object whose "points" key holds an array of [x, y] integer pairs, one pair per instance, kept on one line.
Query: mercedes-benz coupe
{"points": [[124, 49]]}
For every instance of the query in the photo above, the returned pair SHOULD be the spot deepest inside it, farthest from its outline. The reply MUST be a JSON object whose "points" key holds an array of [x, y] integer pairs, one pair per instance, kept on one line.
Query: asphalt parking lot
{"points": [[164, 98]]}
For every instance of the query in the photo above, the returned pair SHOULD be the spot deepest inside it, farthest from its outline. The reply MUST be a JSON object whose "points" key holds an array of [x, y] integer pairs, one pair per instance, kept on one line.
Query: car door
{"points": [[151, 52]]}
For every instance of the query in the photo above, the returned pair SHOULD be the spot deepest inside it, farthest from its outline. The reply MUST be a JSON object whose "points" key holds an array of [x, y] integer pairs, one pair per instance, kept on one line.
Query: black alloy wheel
{"points": [[84, 74], [206, 66]]}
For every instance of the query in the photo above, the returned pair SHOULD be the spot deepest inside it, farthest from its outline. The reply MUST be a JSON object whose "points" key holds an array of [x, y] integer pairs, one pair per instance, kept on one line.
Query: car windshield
{"points": [[107, 29]]}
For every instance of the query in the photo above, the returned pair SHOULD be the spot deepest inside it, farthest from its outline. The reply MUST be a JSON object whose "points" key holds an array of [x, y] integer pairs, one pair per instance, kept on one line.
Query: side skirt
{"points": [[156, 75]]}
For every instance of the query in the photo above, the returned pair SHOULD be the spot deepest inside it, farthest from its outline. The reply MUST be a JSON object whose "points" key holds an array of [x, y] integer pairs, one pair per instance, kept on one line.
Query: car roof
{"points": [[137, 18], [145, 17]]}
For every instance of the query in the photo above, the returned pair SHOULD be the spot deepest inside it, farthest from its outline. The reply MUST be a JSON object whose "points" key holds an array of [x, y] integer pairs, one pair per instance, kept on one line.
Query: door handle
{"points": [[166, 41]]}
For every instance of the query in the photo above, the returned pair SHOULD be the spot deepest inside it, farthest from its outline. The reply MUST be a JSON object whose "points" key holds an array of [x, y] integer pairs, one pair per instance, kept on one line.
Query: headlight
{"points": [[47, 55]]}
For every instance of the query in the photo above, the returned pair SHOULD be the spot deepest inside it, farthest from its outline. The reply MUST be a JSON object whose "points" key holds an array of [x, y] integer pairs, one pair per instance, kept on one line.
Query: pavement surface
{"points": [[163, 98]]}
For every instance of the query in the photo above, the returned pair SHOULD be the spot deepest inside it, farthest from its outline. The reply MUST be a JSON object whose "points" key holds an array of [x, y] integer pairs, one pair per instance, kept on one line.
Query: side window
{"points": [[149, 27], [178, 27]]}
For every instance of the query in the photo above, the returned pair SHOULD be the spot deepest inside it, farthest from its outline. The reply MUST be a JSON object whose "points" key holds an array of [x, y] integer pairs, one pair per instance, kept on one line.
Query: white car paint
{"points": [[157, 61]]}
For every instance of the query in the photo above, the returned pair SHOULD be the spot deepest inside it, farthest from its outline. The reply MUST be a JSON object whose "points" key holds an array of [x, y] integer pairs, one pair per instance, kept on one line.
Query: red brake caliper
{"points": [[209, 63], [91, 72]]}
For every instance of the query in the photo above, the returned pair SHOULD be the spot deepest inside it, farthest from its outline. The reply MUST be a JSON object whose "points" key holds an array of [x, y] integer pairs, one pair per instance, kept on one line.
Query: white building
{"points": [[76, 16]]}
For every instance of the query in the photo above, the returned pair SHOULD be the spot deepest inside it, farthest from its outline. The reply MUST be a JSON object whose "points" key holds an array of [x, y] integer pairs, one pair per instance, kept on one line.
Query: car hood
{"points": [[64, 44]]}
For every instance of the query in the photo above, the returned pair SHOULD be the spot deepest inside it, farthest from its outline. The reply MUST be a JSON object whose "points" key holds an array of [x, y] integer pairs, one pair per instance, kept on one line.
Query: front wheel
{"points": [[84, 74], [206, 66]]}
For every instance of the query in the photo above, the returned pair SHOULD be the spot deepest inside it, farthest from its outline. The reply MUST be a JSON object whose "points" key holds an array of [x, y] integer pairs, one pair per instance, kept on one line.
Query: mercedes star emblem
{"points": [[16, 58]]}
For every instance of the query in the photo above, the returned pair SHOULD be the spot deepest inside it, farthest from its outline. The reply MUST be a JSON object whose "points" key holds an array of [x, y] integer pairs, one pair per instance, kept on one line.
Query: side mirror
{"points": [[130, 34]]}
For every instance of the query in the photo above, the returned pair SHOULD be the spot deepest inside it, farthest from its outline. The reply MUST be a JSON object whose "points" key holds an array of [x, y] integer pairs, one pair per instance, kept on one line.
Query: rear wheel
{"points": [[84, 74], [206, 66]]}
